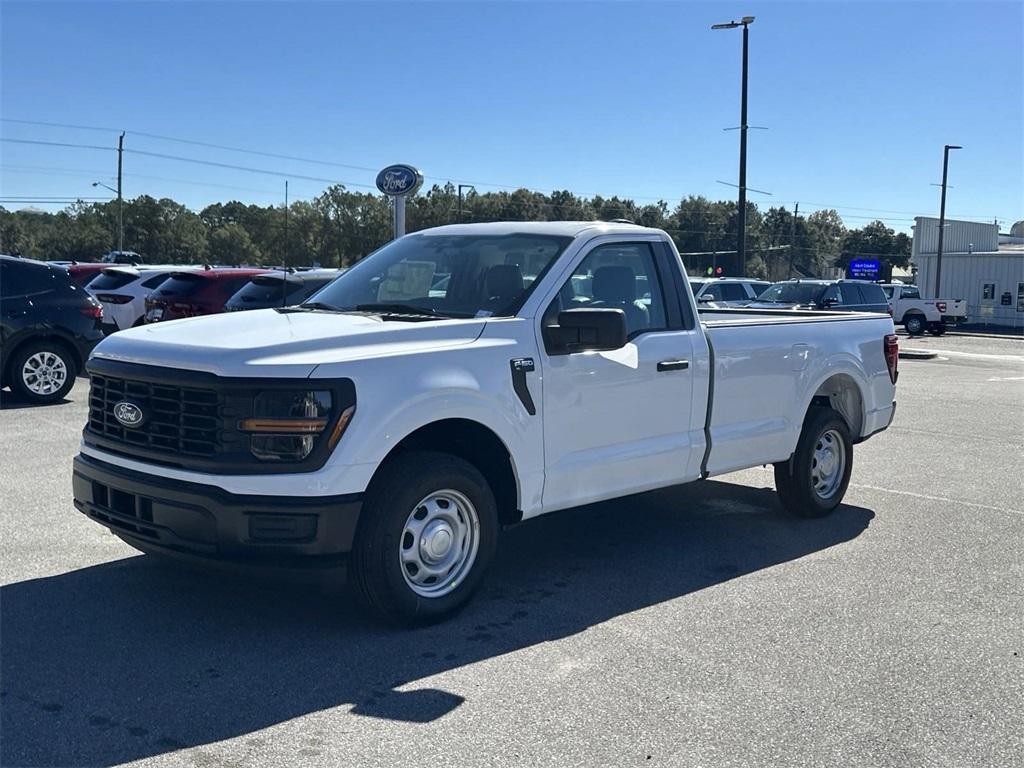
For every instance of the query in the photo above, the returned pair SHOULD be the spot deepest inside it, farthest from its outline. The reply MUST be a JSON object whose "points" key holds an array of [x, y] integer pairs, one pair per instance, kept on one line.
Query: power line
{"points": [[316, 161]]}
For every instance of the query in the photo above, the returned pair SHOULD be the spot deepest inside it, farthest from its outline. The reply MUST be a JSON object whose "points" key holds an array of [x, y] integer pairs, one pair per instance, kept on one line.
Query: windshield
{"points": [[793, 293], [446, 275]]}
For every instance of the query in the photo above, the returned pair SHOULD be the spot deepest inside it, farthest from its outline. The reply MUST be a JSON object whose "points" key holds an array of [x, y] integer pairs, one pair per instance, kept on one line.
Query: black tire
{"points": [[936, 329], [795, 481], [914, 324], [376, 571], [32, 389]]}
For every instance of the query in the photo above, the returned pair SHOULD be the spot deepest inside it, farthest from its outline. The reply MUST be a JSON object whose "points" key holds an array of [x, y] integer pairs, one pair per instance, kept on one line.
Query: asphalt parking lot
{"points": [[693, 627]]}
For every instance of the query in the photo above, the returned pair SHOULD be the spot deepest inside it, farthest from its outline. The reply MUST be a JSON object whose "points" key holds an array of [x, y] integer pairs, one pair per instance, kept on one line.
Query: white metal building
{"points": [[977, 265]]}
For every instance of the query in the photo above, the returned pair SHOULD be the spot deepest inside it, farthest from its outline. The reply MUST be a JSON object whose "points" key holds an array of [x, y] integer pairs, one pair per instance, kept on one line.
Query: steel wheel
{"points": [[439, 543], [828, 464], [44, 373]]}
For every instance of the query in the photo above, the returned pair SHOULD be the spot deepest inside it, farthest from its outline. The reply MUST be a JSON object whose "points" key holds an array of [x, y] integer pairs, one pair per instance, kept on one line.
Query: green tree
{"points": [[231, 244]]}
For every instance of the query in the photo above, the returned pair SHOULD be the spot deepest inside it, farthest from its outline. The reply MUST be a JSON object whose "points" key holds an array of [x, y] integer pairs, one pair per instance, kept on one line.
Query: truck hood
{"points": [[267, 342]]}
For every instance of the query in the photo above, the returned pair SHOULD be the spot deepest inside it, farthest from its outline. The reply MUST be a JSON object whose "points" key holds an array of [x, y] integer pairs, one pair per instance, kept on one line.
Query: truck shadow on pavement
{"points": [[134, 658]]}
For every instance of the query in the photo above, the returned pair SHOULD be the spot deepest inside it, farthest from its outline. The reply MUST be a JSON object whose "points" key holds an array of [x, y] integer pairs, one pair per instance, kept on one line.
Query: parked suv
{"points": [[280, 288], [48, 327], [845, 295], [727, 291], [202, 292], [123, 290]]}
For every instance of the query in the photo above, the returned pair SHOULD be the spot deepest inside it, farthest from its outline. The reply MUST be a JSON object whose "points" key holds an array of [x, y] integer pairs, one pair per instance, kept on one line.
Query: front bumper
{"points": [[208, 525]]}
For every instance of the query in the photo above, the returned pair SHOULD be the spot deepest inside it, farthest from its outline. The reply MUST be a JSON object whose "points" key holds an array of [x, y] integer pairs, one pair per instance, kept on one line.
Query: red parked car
{"points": [[202, 292]]}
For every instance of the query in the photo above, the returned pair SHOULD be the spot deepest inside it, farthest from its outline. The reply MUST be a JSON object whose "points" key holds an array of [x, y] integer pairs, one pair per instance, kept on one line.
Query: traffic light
{"points": [[718, 271]]}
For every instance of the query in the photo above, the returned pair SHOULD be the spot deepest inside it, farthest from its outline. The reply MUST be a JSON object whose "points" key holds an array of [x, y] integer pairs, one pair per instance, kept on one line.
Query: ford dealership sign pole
{"points": [[399, 182]]}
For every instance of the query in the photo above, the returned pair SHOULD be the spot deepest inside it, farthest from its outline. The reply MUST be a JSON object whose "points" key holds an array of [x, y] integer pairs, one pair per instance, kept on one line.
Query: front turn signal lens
{"points": [[340, 427]]}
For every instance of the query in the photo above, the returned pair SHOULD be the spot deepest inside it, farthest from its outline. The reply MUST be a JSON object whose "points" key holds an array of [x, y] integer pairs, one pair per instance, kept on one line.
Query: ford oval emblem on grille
{"points": [[129, 414]]}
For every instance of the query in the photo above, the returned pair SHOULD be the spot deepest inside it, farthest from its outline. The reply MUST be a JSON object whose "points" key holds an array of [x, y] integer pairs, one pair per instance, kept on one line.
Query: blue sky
{"points": [[616, 98]]}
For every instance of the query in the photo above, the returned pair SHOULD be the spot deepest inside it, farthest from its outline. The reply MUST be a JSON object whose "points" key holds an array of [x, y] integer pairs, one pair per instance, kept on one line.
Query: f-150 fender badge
{"points": [[520, 367]]}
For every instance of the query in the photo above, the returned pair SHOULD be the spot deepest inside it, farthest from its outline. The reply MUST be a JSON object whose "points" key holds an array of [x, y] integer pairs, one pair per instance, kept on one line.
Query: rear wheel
{"points": [[813, 482], [427, 533], [42, 372], [914, 324]]}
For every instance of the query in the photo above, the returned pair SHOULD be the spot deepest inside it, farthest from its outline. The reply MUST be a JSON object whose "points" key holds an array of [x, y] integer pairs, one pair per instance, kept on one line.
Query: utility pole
{"points": [[942, 219], [120, 197], [286, 224], [461, 187], [792, 240]]}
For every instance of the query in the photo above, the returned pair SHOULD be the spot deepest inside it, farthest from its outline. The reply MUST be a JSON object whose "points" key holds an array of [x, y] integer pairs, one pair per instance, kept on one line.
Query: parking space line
{"points": [[937, 498]]}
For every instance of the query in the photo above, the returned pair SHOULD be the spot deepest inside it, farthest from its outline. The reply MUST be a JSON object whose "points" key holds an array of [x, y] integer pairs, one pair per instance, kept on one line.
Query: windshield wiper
{"points": [[309, 306], [406, 309]]}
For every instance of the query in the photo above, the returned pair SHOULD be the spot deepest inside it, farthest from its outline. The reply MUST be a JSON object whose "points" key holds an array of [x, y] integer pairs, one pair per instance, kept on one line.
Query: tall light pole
{"points": [[942, 218], [120, 212], [741, 247]]}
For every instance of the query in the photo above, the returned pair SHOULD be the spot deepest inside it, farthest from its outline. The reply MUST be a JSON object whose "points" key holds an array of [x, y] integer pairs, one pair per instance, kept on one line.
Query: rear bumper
{"points": [[878, 421], [208, 525]]}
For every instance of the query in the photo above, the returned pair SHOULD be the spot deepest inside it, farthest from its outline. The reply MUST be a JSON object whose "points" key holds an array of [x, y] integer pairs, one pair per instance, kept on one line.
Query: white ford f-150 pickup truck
{"points": [[918, 315], [456, 381]]}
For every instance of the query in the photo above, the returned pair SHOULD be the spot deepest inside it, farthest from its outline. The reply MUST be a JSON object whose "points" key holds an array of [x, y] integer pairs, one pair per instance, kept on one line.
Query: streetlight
{"points": [[942, 218], [741, 248], [120, 213]]}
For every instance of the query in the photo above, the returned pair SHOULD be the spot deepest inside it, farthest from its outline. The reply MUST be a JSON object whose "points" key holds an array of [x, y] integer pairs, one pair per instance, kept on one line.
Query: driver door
{"points": [[618, 422]]}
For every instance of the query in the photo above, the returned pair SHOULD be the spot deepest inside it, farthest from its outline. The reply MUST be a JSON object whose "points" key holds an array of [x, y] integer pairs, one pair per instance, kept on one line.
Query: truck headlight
{"points": [[286, 424]]}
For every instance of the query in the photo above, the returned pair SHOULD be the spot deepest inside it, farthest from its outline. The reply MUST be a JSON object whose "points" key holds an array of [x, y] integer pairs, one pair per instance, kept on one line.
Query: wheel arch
{"points": [[6, 375], [844, 394], [476, 444]]}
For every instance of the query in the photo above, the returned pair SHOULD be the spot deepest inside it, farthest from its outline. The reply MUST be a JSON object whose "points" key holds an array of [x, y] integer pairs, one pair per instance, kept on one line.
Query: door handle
{"points": [[673, 365]]}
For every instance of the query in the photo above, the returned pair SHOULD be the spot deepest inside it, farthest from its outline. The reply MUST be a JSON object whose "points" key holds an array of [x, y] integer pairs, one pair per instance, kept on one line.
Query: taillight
{"points": [[94, 311], [941, 306], [892, 355], [113, 298]]}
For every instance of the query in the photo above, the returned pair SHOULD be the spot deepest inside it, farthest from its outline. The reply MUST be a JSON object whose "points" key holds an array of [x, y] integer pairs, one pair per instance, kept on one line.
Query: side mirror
{"points": [[704, 299], [827, 303], [587, 330]]}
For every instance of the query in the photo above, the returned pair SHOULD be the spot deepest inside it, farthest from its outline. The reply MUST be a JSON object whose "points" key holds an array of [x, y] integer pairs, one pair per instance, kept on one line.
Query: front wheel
{"points": [[42, 372], [813, 482], [427, 533]]}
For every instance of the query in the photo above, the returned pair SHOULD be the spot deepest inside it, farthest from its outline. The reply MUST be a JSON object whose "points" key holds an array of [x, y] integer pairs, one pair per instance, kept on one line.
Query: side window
{"points": [[910, 292], [733, 292], [831, 296], [874, 296], [850, 293], [617, 276], [759, 288]]}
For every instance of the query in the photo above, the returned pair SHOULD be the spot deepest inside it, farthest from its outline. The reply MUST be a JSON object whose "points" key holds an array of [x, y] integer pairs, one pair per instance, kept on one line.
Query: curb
{"points": [[917, 354]]}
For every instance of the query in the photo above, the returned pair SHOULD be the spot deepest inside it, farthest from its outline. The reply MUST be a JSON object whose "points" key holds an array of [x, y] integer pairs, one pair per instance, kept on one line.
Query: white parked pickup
{"points": [[396, 421], [918, 315]]}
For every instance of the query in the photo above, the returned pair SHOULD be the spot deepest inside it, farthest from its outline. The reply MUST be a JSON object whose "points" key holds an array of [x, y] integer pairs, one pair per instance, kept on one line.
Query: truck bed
{"points": [[768, 364]]}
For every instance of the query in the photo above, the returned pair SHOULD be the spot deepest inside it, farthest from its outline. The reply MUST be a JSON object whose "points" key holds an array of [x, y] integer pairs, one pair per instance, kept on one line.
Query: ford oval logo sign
{"points": [[129, 414], [399, 180]]}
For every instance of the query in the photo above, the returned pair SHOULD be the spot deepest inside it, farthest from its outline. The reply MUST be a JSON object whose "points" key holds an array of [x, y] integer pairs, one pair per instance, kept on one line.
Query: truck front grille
{"points": [[176, 419]]}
